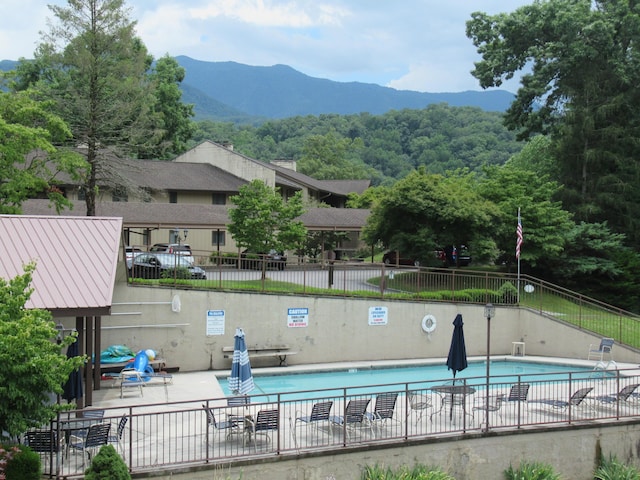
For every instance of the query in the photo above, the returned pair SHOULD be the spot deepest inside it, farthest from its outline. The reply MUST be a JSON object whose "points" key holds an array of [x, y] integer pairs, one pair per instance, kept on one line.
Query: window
{"points": [[219, 199], [82, 194], [173, 197], [218, 238]]}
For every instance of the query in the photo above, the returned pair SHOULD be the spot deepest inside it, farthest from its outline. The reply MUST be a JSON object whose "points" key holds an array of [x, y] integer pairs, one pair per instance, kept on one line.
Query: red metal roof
{"points": [[75, 257]]}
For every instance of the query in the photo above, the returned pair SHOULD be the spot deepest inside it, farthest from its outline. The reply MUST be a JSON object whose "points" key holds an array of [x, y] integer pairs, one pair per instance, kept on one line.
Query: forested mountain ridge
{"points": [[230, 91], [383, 148], [279, 91]]}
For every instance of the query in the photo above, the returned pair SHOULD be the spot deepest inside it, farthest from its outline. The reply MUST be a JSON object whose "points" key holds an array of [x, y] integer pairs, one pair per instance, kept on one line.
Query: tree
{"points": [[95, 69], [170, 117], [325, 157], [262, 220], [29, 161], [425, 211], [580, 87], [33, 366], [545, 222]]}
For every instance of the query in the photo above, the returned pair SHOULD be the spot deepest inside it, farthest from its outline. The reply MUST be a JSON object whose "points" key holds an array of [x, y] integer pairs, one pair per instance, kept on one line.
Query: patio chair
{"points": [[575, 401], [481, 406], [44, 442], [626, 396], [117, 438], [231, 427], [131, 378], [320, 415], [267, 421], [597, 352], [382, 411], [354, 416], [419, 402], [97, 436]]}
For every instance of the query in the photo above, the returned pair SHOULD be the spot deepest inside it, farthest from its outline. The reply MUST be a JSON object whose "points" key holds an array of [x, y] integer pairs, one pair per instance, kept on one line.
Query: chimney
{"points": [[289, 164]]}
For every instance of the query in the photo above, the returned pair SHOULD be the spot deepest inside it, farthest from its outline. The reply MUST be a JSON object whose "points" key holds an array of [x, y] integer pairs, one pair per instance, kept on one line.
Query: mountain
{"points": [[280, 91], [233, 92]]}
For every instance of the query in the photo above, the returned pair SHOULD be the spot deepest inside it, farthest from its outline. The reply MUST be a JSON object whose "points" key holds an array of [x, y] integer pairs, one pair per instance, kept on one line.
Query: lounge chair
{"points": [[354, 416], [320, 415], [575, 401], [518, 395], [625, 396], [382, 411], [597, 352]]}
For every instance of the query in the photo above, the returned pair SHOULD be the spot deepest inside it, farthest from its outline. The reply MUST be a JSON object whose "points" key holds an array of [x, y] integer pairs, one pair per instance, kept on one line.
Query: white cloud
{"points": [[407, 44]]}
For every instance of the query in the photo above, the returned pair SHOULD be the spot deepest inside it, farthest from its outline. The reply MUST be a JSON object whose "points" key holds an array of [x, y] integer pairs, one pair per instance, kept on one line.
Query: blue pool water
{"points": [[418, 376]]}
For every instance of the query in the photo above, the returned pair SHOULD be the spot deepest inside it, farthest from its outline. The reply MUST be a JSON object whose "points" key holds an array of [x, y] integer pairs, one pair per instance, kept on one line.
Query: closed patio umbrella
{"points": [[241, 379], [73, 386], [457, 359]]}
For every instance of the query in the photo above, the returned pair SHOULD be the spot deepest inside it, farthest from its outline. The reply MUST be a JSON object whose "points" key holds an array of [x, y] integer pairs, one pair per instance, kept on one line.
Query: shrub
{"points": [[418, 472], [531, 471], [612, 469], [20, 462], [107, 465]]}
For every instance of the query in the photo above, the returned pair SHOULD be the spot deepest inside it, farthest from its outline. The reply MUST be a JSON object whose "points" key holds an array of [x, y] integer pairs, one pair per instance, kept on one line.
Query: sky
{"points": [[415, 45]]}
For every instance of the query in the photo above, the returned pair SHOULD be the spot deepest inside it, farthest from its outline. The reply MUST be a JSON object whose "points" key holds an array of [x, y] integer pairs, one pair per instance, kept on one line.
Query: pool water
{"points": [[419, 376]]}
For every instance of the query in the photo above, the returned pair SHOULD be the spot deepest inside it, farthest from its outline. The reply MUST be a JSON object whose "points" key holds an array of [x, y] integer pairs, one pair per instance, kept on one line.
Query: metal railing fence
{"points": [[373, 280], [178, 434]]}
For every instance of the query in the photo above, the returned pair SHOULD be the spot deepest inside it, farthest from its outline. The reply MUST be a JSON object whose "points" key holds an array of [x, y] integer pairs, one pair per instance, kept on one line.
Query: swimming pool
{"points": [[292, 384]]}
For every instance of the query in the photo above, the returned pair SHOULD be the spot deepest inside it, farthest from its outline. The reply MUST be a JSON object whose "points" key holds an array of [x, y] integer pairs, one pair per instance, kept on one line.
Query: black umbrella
{"points": [[457, 359], [73, 386]]}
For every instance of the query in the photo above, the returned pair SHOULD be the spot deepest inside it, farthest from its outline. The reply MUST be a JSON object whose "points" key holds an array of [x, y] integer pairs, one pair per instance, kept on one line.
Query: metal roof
{"points": [[75, 257]]}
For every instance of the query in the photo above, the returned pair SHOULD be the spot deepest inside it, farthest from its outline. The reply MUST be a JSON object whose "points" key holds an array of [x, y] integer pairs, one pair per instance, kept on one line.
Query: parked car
{"points": [[164, 265], [391, 258], [274, 259], [452, 256], [129, 253], [177, 248]]}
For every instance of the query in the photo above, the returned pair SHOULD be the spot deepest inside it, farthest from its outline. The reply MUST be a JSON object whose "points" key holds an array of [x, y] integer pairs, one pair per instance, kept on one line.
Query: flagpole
{"points": [[518, 242]]}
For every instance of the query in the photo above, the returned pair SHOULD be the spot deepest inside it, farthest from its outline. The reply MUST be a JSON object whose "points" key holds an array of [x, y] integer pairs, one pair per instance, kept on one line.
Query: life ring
{"points": [[429, 323]]}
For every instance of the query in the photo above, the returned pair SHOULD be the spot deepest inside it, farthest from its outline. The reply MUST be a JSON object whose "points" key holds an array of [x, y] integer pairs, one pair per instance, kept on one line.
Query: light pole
{"points": [[489, 311], [179, 238]]}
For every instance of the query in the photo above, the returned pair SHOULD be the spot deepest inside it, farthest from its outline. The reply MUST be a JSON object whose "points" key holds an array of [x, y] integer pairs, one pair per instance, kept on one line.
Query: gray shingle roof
{"points": [[187, 215]]}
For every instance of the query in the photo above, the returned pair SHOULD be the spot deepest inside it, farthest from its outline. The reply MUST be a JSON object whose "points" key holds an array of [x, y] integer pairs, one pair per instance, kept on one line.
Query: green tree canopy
{"points": [[33, 366], [169, 118], [545, 223], [425, 211], [262, 220], [29, 161], [581, 63]]}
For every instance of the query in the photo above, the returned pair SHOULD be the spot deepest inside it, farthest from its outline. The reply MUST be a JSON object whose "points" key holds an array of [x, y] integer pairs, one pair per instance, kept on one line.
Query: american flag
{"points": [[519, 236]]}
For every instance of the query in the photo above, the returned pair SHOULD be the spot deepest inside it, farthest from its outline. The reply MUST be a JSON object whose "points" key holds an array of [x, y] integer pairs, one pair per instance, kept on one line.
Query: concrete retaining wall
{"points": [[336, 330], [573, 452]]}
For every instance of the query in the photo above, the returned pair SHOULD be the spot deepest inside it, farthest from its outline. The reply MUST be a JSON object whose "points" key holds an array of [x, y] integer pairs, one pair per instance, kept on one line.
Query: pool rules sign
{"points": [[378, 316], [297, 317]]}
